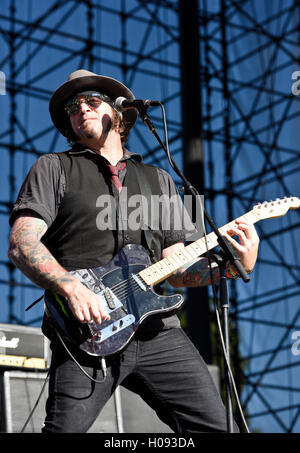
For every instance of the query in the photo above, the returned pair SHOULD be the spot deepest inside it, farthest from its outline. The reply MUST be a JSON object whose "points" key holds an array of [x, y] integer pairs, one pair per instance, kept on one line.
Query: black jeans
{"points": [[165, 369]]}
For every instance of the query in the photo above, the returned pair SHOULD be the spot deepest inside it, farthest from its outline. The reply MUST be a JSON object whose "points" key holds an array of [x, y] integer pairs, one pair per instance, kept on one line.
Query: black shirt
{"points": [[43, 190], [44, 186]]}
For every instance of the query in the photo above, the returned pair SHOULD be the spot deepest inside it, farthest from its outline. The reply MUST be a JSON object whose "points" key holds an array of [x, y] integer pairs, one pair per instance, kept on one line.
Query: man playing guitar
{"points": [[57, 234]]}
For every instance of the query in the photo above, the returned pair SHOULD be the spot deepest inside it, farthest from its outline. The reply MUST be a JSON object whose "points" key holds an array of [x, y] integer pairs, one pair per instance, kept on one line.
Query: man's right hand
{"points": [[86, 305]]}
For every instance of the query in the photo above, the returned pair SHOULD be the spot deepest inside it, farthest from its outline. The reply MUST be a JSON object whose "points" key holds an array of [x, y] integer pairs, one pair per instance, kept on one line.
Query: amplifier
{"points": [[23, 346]]}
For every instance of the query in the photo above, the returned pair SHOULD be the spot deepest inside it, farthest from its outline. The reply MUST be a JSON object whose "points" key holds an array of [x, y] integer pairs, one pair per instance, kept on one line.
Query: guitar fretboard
{"points": [[161, 270]]}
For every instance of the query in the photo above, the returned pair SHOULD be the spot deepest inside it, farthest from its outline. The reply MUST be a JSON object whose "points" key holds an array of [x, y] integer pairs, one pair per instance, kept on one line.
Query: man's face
{"points": [[93, 118]]}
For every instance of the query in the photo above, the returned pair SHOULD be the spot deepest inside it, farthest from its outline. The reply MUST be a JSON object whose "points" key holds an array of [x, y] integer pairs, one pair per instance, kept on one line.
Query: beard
{"points": [[89, 131], [90, 135], [92, 131]]}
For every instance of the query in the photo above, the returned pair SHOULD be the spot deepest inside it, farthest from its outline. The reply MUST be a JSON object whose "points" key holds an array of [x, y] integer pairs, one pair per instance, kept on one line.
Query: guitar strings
{"points": [[127, 290], [124, 283]]}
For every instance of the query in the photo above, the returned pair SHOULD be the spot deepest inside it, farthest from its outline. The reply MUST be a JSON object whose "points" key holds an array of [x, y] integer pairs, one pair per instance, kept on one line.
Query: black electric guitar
{"points": [[126, 286]]}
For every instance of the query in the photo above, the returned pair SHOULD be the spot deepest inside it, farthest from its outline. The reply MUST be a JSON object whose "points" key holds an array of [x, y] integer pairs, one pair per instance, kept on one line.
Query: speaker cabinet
{"points": [[20, 391], [125, 412], [129, 414]]}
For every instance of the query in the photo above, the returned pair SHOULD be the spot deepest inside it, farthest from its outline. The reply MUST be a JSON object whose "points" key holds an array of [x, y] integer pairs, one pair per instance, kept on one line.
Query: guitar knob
{"points": [[97, 337]]}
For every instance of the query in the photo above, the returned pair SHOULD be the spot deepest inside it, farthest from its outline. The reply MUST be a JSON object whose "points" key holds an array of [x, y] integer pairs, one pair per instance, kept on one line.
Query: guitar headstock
{"points": [[277, 208]]}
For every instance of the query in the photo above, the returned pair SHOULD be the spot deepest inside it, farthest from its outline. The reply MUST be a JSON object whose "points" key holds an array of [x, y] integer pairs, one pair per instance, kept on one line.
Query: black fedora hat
{"points": [[83, 80]]}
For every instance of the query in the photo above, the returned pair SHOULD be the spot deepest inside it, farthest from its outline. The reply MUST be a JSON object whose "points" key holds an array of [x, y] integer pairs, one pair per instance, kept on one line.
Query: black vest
{"points": [[89, 229]]}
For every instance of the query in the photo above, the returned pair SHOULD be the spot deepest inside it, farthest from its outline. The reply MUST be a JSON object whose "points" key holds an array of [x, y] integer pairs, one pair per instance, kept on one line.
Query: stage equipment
{"points": [[23, 347]]}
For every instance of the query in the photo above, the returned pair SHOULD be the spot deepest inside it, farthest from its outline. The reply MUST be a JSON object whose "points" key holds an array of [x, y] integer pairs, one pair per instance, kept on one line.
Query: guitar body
{"points": [[128, 301]]}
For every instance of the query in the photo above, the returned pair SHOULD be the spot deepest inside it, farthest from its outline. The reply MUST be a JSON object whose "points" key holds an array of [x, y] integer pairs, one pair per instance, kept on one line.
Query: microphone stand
{"points": [[228, 254]]}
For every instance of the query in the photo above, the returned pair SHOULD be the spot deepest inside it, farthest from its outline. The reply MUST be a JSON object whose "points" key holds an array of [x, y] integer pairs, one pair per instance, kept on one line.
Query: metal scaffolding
{"points": [[249, 52]]}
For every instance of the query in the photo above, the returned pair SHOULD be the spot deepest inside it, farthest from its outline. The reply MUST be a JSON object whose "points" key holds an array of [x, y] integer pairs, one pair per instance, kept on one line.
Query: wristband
{"points": [[231, 272]]}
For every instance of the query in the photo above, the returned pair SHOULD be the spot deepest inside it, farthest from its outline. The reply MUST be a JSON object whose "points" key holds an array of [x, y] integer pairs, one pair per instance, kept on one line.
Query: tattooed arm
{"points": [[31, 256], [197, 272]]}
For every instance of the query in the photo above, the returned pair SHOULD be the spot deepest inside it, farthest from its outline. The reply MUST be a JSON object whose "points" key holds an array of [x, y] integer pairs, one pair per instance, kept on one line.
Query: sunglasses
{"points": [[93, 101]]}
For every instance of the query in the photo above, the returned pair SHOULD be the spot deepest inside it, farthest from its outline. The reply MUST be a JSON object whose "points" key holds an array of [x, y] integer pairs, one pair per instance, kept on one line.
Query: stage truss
{"points": [[250, 108]]}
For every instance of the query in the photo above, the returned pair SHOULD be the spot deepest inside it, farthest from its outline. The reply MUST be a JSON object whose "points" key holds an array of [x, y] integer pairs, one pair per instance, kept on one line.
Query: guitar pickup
{"points": [[109, 299]]}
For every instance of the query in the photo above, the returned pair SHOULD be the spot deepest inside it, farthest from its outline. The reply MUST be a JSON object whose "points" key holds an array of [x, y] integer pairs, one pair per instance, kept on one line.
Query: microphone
{"points": [[124, 104]]}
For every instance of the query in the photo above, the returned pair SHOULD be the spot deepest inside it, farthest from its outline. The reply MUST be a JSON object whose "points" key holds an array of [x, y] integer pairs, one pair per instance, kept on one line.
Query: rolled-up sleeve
{"points": [[41, 190], [177, 223]]}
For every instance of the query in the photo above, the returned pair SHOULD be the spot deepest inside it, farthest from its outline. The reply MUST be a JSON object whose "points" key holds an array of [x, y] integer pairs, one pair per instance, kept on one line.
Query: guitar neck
{"points": [[161, 270]]}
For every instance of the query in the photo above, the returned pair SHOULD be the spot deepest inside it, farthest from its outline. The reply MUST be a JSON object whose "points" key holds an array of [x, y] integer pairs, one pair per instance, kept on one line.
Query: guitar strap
{"points": [[146, 192]]}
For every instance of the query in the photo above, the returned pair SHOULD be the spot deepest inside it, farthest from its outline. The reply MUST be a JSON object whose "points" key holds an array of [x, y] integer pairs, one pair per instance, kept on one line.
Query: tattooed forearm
{"points": [[199, 273], [30, 255], [194, 274]]}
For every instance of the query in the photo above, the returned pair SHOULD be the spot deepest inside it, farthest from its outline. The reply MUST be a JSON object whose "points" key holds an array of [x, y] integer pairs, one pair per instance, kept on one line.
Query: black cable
{"points": [[223, 345], [103, 363], [103, 366], [36, 403]]}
